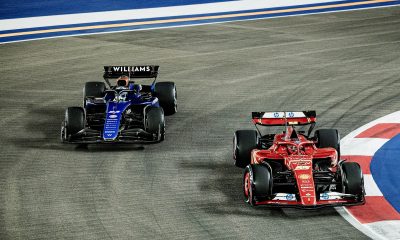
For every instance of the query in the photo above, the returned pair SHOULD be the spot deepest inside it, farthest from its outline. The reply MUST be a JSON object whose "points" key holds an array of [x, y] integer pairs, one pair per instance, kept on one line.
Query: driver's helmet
{"points": [[123, 81], [292, 149]]}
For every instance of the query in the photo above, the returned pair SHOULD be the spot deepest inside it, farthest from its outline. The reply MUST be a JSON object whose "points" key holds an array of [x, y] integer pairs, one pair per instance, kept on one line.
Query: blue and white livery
{"points": [[125, 112]]}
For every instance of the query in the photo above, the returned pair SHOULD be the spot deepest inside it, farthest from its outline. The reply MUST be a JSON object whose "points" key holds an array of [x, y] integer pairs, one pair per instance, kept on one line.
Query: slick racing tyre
{"points": [[94, 89], [352, 178], [73, 123], [244, 142], [328, 138], [257, 183], [155, 122], [167, 95]]}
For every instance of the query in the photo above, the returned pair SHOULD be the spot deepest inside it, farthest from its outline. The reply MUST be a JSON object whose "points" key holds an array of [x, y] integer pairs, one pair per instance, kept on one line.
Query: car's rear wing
{"points": [[284, 118], [147, 71]]}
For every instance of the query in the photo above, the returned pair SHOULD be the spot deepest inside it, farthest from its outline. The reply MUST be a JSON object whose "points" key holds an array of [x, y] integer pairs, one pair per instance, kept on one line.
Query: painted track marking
{"points": [[377, 218]]}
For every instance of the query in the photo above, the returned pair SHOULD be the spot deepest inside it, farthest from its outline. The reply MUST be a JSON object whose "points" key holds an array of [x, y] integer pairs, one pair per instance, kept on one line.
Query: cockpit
{"points": [[293, 148]]}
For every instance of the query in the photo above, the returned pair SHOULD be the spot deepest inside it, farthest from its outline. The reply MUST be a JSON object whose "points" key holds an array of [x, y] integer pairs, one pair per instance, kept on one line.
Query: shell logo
{"points": [[304, 176]]}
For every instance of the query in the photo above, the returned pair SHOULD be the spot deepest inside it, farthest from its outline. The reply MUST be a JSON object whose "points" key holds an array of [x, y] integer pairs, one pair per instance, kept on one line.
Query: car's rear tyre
{"points": [[328, 138], [257, 183], [73, 123], [93, 89], [155, 122], [244, 142], [352, 178], [167, 96]]}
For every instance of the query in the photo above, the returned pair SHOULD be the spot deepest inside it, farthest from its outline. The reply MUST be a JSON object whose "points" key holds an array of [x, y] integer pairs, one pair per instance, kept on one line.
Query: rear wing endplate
{"points": [[284, 118]]}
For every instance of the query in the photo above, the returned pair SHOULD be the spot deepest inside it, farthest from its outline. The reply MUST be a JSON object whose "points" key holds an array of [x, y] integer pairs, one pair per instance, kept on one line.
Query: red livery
{"points": [[292, 168]]}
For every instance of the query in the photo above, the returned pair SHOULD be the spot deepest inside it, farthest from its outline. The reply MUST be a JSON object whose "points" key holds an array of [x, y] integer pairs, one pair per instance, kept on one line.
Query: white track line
{"points": [[67, 19], [389, 229], [364, 228], [371, 189], [361, 146]]}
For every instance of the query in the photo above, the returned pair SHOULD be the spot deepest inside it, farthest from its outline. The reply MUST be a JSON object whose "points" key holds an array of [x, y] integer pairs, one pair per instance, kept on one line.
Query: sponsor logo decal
{"points": [[302, 168], [304, 176], [324, 196], [114, 112], [131, 69], [112, 116], [289, 196]]}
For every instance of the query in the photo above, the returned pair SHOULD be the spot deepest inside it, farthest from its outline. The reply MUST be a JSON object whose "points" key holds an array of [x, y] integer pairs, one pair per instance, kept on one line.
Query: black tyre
{"points": [[73, 123], [167, 96], [244, 142], [328, 138], [94, 89], [155, 122], [352, 178], [257, 183]]}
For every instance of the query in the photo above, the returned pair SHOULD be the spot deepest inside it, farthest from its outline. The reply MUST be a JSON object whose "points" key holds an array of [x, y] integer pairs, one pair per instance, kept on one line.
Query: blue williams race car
{"points": [[126, 112]]}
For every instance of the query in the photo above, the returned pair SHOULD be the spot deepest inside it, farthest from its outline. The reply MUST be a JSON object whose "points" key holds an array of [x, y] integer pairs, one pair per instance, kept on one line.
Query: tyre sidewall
{"points": [[167, 96], [74, 120], [352, 178], [94, 89], [328, 138], [244, 141], [248, 185], [155, 122]]}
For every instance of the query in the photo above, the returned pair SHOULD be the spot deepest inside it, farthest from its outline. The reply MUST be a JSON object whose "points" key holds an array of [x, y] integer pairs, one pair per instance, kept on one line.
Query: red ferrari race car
{"points": [[292, 168]]}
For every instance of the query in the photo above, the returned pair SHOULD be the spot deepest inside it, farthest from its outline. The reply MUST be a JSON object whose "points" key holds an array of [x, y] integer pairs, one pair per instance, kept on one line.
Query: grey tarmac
{"points": [[343, 65]]}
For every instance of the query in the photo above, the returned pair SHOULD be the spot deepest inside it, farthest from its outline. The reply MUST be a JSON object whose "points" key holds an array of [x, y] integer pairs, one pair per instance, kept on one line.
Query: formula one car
{"points": [[127, 112], [293, 169]]}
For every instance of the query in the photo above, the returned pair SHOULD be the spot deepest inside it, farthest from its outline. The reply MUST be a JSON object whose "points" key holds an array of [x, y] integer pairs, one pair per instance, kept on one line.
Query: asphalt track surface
{"points": [[344, 65]]}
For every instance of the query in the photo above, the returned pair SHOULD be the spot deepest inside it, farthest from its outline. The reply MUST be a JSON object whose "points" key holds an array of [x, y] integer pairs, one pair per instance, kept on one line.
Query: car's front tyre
{"points": [[257, 183], [352, 179], [73, 123], [155, 122]]}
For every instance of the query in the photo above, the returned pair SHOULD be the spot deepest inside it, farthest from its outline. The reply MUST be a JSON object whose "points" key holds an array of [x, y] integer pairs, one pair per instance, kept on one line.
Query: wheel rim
{"points": [[247, 187]]}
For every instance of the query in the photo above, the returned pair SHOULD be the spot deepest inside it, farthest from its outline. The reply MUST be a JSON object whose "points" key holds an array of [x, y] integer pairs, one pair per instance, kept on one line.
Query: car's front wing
{"points": [[134, 135], [289, 200]]}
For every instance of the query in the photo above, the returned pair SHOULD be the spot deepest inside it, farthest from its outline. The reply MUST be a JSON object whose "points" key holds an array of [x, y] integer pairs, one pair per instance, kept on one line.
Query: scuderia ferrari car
{"points": [[128, 112], [292, 168]]}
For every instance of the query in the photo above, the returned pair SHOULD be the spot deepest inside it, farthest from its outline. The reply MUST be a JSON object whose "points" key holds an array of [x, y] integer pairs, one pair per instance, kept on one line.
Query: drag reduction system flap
{"points": [[146, 71], [284, 118]]}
